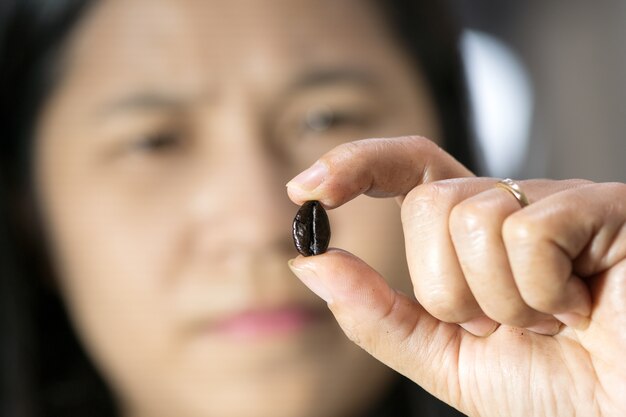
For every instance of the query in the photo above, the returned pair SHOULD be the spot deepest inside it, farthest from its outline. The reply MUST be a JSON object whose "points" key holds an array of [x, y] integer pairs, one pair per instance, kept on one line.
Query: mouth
{"points": [[266, 323]]}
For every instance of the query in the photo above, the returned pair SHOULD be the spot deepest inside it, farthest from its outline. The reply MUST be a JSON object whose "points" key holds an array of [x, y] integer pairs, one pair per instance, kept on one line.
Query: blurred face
{"points": [[161, 160]]}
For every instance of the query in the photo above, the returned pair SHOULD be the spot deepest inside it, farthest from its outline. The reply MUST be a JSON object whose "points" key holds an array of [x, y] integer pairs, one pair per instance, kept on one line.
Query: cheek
{"points": [[111, 264], [371, 229]]}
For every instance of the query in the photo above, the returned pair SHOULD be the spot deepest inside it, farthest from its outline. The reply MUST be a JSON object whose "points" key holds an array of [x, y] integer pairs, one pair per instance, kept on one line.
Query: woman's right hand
{"points": [[508, 275]]}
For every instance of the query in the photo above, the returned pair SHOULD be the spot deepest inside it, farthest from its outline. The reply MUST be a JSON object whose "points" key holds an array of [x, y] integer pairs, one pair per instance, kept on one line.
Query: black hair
{"points": [[431, 35], [43, 369]]}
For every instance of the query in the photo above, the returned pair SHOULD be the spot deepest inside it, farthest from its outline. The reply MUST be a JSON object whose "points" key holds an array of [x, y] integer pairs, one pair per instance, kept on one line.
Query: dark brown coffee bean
{"points": [[311, 229]]}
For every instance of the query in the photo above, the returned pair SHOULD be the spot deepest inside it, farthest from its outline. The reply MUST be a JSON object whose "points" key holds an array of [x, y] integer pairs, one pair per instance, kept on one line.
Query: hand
{"points": [[509, 276]]}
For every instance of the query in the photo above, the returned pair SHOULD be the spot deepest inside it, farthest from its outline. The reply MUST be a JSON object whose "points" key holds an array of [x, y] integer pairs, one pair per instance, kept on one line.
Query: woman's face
{"points": [[161, 161]]}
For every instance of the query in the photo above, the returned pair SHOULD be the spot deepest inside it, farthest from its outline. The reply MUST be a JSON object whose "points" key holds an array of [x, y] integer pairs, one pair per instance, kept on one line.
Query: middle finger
{"points": [[476, 230]]}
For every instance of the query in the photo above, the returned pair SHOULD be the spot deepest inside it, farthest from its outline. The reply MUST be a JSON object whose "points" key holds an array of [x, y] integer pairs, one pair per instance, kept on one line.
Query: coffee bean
{"points": [[311, 229]]}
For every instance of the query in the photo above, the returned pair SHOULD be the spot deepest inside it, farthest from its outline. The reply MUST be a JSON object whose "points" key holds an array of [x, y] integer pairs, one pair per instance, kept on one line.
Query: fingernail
{"points": [[480, 326], [546, 327], [574, 320], [311, 280], [311, 178]]}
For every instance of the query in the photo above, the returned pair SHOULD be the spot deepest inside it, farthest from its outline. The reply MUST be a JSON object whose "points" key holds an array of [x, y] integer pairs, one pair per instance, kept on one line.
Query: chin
{"points": [[269, 389], [313, 372], [337, 378]]}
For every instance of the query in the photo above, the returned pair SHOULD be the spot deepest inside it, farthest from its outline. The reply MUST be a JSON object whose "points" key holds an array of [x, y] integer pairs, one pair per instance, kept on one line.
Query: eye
{"points": [[158, 142], [319, 119], [323, 118]]}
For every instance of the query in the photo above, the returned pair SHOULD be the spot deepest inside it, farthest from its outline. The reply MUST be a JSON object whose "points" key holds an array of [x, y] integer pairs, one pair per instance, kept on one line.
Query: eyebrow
{"points": [[148, 101], [328, 77]]}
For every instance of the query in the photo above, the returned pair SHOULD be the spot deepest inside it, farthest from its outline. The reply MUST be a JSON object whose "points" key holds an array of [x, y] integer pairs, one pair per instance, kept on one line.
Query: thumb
{"points": [[392, 327]]}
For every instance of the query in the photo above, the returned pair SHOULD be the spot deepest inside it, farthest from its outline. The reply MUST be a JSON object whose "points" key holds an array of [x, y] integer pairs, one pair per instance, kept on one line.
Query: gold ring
{"points": [[514, 188]]}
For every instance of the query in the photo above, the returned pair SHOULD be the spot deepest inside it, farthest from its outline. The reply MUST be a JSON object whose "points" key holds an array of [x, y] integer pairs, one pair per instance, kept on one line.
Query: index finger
{"points": [[382, 167]]}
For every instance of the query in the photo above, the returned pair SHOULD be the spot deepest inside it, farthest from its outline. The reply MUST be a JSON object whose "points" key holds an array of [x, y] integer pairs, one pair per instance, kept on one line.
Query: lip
{"points": [[264, 323]]}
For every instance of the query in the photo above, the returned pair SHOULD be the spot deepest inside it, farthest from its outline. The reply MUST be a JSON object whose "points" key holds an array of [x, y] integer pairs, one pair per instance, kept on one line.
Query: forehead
{"points": [[192, 44]]}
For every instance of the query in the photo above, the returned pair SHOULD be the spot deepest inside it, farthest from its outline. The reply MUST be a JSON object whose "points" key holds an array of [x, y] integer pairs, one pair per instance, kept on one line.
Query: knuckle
{"points": [[556, 185], [542, 299], [519, 228], [354, 329], [448, 306], [422, 142], [348, 150], [513, 314], [468, 217], [354, 334], [618, 277], [544, 294], [614, 188], [573, 183], [426, 199], [389, 329], [578, 182]]}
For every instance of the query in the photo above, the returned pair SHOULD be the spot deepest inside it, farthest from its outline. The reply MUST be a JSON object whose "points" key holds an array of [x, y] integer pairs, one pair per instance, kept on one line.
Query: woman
{"points": [[156, 167], [145, 150]]}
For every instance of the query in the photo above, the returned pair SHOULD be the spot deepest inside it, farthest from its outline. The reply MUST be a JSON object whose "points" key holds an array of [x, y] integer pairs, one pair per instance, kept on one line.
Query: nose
{"points": [[255, 203], [240, 201]]}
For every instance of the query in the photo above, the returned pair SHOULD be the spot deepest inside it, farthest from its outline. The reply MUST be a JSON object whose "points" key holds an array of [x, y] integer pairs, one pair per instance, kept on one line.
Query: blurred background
{"points": [[549, 86]]}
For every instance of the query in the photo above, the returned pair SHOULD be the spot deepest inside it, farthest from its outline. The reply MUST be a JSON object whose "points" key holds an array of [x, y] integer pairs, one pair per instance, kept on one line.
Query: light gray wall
{"points": [[575, 52]]}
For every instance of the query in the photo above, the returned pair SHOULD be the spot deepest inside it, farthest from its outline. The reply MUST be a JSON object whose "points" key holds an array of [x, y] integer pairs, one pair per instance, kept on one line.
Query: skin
{"points": [[160, 165], [508, 274]]}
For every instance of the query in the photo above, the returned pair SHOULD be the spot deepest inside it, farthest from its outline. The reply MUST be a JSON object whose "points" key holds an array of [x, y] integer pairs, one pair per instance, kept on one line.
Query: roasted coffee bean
{"points": [[311, 229]]}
